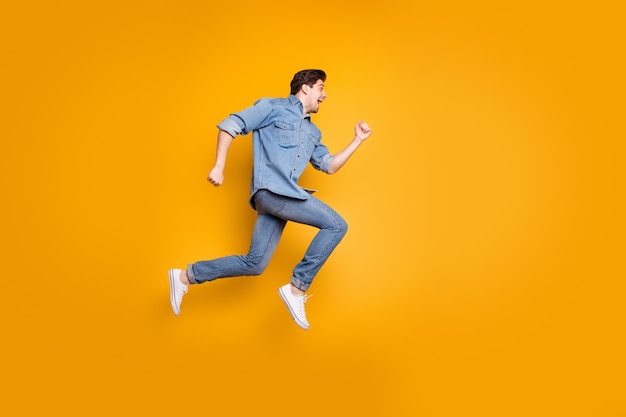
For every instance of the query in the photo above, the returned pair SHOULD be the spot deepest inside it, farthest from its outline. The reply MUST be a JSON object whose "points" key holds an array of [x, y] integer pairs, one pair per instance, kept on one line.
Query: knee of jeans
{"points": [[256, 270], [342, 226], [256, 266]]}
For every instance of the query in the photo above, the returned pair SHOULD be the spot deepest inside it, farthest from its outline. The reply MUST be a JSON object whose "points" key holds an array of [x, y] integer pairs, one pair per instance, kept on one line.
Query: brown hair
{"points": [[308, 77]]}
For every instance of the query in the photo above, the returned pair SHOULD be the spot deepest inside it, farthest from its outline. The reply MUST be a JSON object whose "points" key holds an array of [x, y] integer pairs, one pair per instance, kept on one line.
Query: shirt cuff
{"points": [[325, 165], [230, 126]]}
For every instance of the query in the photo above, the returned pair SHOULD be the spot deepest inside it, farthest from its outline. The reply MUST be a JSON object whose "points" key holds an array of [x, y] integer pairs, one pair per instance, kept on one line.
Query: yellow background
{"points": [[483, 271]]}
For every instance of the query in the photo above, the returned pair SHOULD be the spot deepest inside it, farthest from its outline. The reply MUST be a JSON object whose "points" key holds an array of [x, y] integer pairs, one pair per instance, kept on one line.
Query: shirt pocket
{"points": [[285, 134]]}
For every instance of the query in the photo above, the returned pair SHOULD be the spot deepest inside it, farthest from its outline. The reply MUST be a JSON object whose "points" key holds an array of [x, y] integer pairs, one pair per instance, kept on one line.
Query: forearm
{"points": [[224, 140], [361, 132], [340, 158]]}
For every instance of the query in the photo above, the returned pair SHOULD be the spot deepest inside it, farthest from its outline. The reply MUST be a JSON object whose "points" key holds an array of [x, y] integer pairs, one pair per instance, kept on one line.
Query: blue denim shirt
{"points": [[284, 142]]}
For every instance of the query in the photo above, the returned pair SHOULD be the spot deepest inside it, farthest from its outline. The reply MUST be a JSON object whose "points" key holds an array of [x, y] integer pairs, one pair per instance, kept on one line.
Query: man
{"points": [[285, 141]]}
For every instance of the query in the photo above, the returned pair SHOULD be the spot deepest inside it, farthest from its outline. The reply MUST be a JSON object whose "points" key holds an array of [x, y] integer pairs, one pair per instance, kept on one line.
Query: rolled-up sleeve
{"points": [[321, 158], [233, 125], [247, 120]]}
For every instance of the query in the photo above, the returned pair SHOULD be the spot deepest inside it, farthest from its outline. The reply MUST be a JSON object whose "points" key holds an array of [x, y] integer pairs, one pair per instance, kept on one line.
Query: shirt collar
{"points": [[296, 102]]}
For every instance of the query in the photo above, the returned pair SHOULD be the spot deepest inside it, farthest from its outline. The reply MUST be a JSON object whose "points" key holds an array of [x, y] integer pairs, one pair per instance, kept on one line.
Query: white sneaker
{"points": [[295, 304], [177, 290]]}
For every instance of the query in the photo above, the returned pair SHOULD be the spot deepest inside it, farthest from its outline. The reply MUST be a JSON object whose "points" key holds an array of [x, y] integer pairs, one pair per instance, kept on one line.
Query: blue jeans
{"points": [[273, 213]]}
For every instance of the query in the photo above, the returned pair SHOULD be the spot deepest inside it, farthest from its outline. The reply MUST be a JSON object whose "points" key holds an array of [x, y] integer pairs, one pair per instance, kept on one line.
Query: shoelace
{"points": [[304, 299], [182, 290]]}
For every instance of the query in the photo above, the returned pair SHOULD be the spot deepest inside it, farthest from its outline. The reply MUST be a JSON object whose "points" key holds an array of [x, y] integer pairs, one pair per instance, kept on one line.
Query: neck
{"points": [[305, 109]]}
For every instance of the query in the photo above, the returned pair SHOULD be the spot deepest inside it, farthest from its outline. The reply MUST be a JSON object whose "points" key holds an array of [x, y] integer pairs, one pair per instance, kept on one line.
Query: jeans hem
{"points": [[190, 274], [299, 284]]}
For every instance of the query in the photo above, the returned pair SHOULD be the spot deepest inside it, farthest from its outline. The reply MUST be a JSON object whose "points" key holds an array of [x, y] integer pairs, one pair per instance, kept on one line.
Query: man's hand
{"points": [[216, 176], [362, 131]]}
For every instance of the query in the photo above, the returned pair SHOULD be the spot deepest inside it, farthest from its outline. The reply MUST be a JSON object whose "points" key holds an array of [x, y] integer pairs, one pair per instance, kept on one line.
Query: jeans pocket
{"points": [[267, 202]]}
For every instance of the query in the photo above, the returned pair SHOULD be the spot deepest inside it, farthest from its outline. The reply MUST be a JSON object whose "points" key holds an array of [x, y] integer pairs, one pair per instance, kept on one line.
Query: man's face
{"points": [[315, 95]]}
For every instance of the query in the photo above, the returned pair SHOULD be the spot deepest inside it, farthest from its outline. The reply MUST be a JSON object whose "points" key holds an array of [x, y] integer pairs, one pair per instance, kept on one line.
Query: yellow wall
{"points": [[481, 275]]}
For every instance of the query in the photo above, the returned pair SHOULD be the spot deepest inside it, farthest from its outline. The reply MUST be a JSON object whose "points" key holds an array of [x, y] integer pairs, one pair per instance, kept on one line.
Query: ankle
{"points": [[183, 277], [296, 291]]}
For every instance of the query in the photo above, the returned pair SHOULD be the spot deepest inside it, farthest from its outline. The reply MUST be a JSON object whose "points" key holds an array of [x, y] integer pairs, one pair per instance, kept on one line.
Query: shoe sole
{"points": [[173, 292], [293, 315]]}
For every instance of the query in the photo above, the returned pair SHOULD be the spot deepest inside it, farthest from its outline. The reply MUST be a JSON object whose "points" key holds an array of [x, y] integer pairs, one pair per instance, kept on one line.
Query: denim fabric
{"points": [[273, 213], [284, 142]]}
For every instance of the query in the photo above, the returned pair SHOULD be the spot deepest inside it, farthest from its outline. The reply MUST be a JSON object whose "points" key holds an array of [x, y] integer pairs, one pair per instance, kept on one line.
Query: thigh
{"points": [[312, 211], [266, 234]]}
